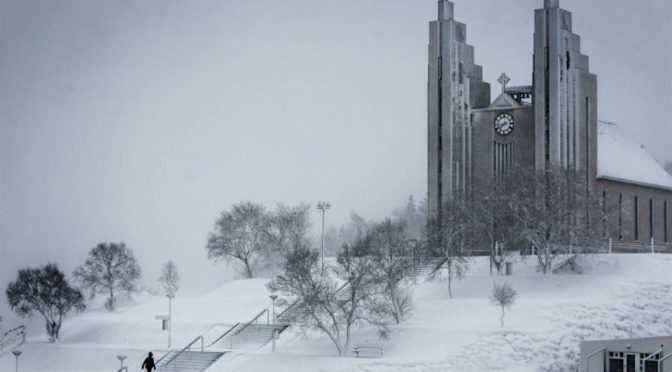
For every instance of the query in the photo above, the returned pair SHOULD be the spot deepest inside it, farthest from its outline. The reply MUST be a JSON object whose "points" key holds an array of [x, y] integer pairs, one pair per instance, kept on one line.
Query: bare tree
{"points": [[46, 291], [289, 226], [388, 245], [445, 236], [109, 268], [490, 214], [503, 295], [554, 211], [324, 304], [170, 278], [240, 236]]}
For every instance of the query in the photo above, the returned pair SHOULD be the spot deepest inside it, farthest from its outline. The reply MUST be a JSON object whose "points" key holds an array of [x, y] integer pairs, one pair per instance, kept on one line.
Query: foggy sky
{"points": [[138, 121]]}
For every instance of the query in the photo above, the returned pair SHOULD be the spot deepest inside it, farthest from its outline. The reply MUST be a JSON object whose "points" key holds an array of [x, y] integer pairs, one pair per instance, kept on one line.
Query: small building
{"points": [[651, 354]]}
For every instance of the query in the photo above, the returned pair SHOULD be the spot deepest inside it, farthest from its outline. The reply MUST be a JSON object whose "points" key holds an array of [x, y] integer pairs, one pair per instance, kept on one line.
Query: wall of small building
{"points": [[636, 213], [640, 345]]}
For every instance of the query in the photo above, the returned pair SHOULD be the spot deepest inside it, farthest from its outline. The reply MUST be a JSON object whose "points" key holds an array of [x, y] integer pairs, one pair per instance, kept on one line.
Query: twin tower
{"points": [[473, 139]]}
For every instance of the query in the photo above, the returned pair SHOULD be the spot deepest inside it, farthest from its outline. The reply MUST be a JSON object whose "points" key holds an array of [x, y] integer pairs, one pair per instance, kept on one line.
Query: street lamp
{"points": [[323, 206], [121, 361], [16, 354], [170, 317], [273, 298]]}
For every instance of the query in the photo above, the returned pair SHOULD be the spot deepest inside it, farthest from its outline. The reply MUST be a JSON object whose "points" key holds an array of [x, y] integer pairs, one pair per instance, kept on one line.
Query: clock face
{"points": [[504, 124]]}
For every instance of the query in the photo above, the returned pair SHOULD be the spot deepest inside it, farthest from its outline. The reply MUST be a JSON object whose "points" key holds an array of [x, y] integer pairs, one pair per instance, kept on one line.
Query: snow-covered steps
{"points": [[188, 361], [251, 336], [425, 267], [12, 339]]}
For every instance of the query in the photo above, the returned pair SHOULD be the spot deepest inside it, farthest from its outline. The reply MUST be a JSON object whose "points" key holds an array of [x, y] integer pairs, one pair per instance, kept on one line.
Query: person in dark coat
{"points": [[149, 363]]}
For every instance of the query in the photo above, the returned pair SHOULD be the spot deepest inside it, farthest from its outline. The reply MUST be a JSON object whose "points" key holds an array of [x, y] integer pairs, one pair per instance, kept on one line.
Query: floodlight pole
{"points": [[323, 206]]}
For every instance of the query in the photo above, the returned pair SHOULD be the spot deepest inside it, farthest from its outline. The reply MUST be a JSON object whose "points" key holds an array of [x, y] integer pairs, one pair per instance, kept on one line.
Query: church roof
{"points": [[620, 159]]}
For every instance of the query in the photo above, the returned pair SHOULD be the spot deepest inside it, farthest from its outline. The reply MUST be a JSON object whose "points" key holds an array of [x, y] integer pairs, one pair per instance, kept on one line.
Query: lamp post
{"points": [[273, 297], [170, 317], [16, 354], [121, 361], [323, 206]]}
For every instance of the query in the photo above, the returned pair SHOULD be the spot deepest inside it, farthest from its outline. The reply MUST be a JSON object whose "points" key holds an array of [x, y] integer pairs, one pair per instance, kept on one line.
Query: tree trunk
{"points": [[248, 269], [396, 313], [501, 318], [450, 279], [110, 301]]}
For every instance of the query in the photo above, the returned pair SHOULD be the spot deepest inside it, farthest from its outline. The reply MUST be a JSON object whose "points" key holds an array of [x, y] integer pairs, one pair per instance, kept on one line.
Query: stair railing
{"points": [[185, 349], [254, 320], [224, 335], [14, 337]]}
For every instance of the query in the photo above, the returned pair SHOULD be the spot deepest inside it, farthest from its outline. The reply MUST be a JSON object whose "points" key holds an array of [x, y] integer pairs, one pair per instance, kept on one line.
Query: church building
{"points": [[552, 122]]}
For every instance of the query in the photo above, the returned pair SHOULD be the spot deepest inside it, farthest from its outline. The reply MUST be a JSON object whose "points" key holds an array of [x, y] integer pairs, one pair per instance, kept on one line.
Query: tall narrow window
{"points": [[665, 221], [604, 214], [620, 216], [636, 219], [650, 218]]}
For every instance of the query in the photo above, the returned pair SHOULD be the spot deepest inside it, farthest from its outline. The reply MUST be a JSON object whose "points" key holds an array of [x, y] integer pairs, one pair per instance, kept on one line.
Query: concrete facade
{"points": [[551, 123], [626, 355], [454, 89]]}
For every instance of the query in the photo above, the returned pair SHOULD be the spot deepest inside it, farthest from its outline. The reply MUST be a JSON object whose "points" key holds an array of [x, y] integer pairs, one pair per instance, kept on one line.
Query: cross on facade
{"points": [[503, 79]]}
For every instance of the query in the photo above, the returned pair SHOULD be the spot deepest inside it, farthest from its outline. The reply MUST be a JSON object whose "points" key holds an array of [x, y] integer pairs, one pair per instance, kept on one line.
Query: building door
{"points": [[631, 363]]}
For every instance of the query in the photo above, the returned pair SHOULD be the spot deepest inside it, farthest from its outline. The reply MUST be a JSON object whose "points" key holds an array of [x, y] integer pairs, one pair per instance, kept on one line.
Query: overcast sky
{"points": [[140, 120]]}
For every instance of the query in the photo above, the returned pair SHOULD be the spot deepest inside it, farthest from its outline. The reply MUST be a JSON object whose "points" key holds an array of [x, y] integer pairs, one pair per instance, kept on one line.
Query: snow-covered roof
{"points": [[623, 160]]}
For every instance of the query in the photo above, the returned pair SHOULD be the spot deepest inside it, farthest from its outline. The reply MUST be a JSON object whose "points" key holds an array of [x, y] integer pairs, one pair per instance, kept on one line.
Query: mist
{"points": [[139, 121]]}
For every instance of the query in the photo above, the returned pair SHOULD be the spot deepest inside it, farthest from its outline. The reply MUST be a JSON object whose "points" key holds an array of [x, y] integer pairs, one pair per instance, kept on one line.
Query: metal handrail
{"points": [[224, 335], [11, 336], [279, 316], [188, 347], [252, 321]]}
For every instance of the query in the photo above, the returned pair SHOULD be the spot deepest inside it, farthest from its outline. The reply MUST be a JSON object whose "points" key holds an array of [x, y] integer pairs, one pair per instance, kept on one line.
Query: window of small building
{"points": [[650, 218], [636, 217], [665, 228], [620, 216]]}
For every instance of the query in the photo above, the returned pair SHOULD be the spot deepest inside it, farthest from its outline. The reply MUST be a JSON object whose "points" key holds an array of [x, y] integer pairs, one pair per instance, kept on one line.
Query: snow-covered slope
{"points": [[617, 296], [623, 160]]}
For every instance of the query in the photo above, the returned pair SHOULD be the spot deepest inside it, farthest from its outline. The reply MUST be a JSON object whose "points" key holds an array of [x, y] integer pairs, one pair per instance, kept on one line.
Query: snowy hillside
{"points": [[616, 296]]}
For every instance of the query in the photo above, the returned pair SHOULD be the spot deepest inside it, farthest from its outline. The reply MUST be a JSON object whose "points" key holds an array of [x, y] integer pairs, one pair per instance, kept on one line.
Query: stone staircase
{"points": [[426, 267], [189, 361], [12, 339], [198, 358], [251, 336]]}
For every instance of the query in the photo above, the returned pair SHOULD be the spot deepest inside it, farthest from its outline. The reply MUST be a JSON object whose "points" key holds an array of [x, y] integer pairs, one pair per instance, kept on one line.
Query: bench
{"points": [[370, 350]]}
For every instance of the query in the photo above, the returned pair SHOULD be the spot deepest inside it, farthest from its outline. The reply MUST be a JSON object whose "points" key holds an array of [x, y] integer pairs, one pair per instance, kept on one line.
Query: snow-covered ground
{"points": [[616, 296]]}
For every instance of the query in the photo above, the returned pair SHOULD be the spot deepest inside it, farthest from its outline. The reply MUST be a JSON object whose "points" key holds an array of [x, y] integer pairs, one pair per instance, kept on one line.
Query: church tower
{"points": [[454, 88], [565, 96]]}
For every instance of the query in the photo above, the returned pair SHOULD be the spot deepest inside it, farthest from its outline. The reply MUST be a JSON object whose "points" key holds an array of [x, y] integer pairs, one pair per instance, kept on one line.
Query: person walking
{"points": [[149, 363]]}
